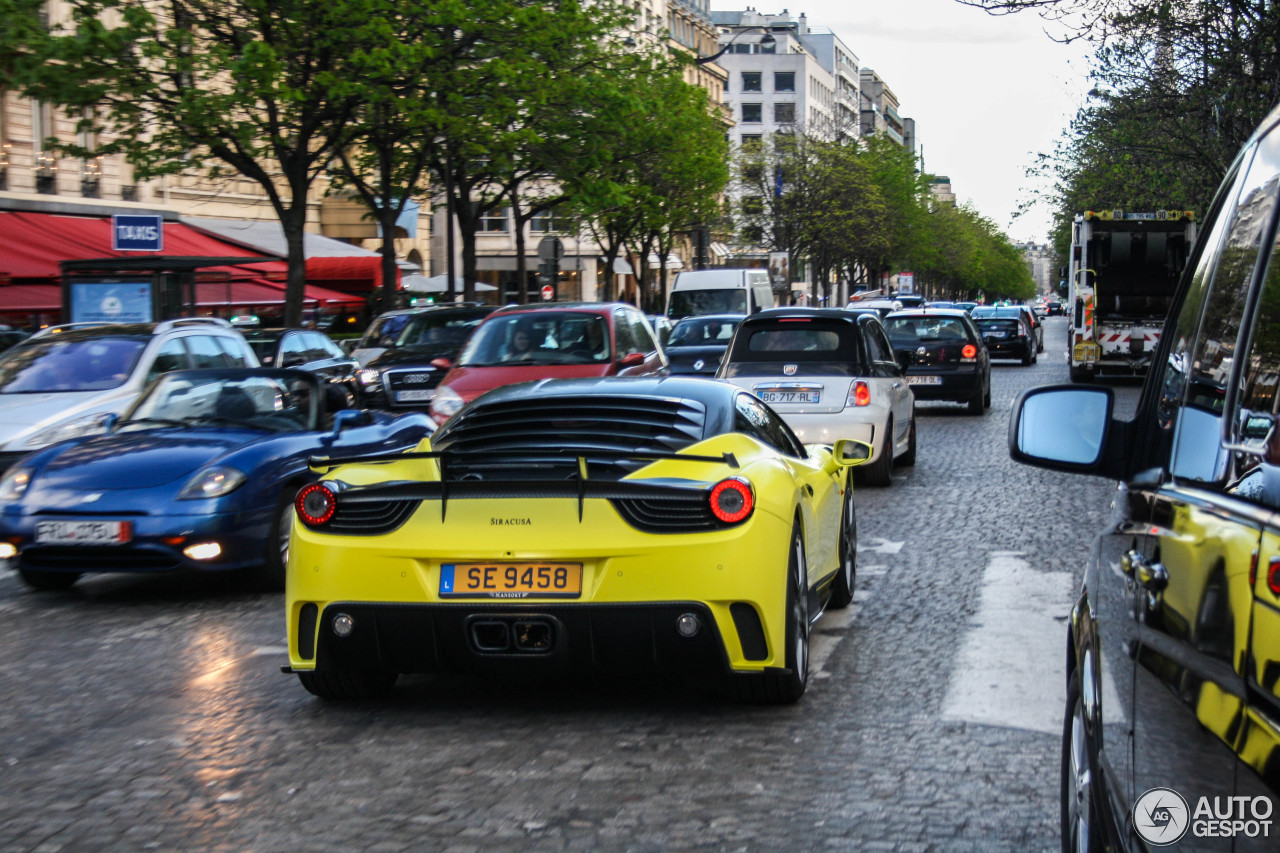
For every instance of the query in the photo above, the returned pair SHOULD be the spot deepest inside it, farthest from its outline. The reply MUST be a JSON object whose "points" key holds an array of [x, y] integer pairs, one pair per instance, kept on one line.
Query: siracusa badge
{"points": [[789, 369]]}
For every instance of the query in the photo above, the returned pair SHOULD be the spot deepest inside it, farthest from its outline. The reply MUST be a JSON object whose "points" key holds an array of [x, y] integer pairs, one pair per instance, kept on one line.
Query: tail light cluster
{"points": [[316, 505], [969, 352], [732, 500], [859, 394]]}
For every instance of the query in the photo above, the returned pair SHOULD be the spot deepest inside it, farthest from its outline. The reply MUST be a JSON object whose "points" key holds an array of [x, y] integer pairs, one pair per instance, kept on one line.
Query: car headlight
{"points": [[70, 429], [446, 403], [14, 484], [212, 483], [369, 376]]}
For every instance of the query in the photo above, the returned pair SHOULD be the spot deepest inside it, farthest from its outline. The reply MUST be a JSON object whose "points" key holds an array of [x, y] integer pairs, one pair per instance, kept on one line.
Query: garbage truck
{"points": [[1124, 267]]}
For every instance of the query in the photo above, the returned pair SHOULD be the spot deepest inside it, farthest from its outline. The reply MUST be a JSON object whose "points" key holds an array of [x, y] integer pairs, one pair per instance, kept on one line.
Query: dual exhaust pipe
{"points": [[527, 635]]}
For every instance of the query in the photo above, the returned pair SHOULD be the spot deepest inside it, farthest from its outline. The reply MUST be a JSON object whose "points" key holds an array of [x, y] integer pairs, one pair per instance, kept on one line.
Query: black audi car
{"points": [[943, 355], [406, 375], [696, 343]]}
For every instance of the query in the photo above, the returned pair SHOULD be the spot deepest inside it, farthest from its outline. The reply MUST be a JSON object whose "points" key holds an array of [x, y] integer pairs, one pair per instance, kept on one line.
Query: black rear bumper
{"points": [[542, 640]]}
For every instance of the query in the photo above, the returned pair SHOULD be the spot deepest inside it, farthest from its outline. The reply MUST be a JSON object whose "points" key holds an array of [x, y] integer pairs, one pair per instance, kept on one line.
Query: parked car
{"points": [[200, 473], [406, 376], [944, 356], [697, 343], [65, 381], [669, 526], [564, 340], [1172, 695], [830, 373], [1007, 334], [305, 349]]}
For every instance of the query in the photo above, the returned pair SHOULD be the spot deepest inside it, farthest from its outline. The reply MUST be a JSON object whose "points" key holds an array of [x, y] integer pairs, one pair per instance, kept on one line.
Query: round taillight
{"points": [[969, 351], [1273, 576], [862, 394], [732, 501], [315, 504]]}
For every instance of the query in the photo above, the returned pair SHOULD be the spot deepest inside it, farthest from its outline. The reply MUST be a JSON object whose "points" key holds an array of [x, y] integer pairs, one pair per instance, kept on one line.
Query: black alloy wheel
{"points": [[878, 473], [847, 575], [1081, 824]]}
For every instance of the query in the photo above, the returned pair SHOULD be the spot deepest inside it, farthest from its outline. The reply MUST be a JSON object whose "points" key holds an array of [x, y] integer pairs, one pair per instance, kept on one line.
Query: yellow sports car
{"points": [[587, 525]]}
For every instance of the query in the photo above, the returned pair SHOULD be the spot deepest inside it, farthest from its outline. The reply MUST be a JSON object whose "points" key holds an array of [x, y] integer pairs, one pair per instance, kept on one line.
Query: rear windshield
{"points": [[812, 347], [721, 300], [697, 331], [925, 330], [992, 324]]}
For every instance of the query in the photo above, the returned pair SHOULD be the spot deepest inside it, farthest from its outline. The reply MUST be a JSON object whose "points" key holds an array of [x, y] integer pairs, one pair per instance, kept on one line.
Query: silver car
{"points": [[66, 381], [830, 374]]}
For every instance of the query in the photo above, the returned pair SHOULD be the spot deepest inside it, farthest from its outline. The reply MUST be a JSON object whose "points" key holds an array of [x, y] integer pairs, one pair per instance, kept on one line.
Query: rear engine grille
{"points": [[668, 515], [577, 424], [369, 518]]}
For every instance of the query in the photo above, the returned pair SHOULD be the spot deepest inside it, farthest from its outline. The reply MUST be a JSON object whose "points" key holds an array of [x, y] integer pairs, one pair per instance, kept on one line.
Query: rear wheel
{"points": [[48, 581], [348, 684], [847, 575], [878, 472], [1027, 357], [788, 685], [978, 402]]}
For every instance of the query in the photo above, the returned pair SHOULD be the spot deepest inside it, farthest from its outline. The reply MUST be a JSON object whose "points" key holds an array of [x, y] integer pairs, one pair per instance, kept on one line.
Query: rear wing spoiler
{"points": [[580, 487]]}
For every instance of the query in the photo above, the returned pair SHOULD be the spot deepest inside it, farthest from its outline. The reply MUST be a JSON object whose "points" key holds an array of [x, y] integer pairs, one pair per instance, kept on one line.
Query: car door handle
{"points": [[1154, 577]]}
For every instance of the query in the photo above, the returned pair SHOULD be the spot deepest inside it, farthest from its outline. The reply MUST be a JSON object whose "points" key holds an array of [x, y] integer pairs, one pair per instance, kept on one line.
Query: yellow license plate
{"points": [[1087, 351], [511, 580]]}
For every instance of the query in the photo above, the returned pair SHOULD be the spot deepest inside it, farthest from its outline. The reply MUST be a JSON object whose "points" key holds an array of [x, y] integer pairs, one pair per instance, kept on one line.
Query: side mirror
{"points": [[348, 417], [848, 452], [1063, 427], [631, 359]]}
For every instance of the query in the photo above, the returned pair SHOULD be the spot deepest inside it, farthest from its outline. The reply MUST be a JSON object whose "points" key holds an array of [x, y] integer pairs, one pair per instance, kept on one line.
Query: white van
{"points": [[719, 291]]}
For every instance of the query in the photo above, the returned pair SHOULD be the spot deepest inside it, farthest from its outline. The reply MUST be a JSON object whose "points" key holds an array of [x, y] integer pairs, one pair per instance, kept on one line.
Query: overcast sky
{"points": [[987, 93]]}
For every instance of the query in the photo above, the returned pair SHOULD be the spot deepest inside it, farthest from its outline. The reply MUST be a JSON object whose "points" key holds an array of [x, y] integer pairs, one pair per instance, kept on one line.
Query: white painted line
{"points": [[827, 634], [1009, 671], [267, 651], [872, 571], [876, 545]]}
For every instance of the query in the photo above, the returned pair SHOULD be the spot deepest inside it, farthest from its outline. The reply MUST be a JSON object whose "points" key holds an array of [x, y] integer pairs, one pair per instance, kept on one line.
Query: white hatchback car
{"points": [[830, 374], [67, 381]]}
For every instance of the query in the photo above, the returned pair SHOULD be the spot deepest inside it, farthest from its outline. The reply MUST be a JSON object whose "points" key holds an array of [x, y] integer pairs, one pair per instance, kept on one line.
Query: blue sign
{"points": [[137, 233], [111, 302]]}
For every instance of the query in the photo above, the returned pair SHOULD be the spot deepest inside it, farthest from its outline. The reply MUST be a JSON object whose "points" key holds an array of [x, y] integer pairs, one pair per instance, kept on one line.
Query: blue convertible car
{"points": [[200, 474]]}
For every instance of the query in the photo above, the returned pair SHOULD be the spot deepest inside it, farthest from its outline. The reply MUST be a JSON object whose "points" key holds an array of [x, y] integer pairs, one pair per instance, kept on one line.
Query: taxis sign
{"points": [[137, 233]]}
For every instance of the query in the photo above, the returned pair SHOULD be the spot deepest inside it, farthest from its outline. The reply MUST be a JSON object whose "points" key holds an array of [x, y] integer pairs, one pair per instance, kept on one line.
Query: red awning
{"points": [[33, 244], [355, 273], [28, 298], [247, 293], [332, 299]]}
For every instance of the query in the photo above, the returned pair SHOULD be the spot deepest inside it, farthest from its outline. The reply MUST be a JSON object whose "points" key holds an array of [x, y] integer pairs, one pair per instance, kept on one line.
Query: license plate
{"points": [[791, 396], [419, 396], [84, 532], [511, 580], [924, 380], [995, 334]]}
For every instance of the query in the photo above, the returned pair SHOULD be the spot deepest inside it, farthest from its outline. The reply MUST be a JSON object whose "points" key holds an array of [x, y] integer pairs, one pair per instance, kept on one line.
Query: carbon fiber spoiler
{"points": [[580, 487]]}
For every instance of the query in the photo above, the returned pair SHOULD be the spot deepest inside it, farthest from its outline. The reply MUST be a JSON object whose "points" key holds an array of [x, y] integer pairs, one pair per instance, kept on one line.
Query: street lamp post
{"points": [[766, 41]]}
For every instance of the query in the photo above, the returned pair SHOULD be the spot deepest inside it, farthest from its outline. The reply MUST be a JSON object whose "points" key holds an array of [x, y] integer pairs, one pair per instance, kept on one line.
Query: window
{"points": [[752, 81], [171, 356], [206, 353], [234, 353], [784, 113], [754, 419], [493, 221], [752, 206], [546, 222], [624, 334], [752, 113], [784, 81], [751, 141]]}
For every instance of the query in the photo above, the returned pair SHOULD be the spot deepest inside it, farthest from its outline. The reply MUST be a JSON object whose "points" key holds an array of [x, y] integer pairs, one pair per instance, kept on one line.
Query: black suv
{"points": [[1172, 724], [406, 375]]}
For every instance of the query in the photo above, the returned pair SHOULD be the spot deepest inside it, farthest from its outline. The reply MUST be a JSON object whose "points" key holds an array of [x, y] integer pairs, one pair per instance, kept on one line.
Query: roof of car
{"points": [[932, 312], [597, 307], [713, 318], [709, 392], [843, 314]]}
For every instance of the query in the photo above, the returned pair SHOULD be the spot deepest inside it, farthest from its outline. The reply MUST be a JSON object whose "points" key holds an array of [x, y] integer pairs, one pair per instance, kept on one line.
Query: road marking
{"points": [[1009, 671], [875, 545]]}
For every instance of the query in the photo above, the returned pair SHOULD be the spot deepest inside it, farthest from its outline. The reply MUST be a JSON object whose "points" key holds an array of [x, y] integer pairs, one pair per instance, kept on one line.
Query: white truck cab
{"points": [[719, 291]]}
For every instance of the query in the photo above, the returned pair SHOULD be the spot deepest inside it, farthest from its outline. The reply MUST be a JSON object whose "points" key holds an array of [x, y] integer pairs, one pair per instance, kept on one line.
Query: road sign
{"points": [[548, 293], [550, 249], [137, 233]]}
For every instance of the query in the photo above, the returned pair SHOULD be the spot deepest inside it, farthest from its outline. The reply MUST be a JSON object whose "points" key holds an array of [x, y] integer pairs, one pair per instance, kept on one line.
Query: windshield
{"points": [[383, 331], [59, 364], [438, 331], [701, 331], [722, 300], [926, 329], [259, 402], [542, 337]]}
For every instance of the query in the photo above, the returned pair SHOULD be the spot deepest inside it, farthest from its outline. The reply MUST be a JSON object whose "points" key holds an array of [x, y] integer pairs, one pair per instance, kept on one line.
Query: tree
{"points": [[261, 89]]}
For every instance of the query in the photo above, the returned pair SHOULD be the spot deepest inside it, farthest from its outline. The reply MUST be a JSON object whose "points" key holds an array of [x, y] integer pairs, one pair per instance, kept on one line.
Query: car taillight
{"points": [[859, 394], [315, 505], [732, 500], [969, 351], [1273, 577]]}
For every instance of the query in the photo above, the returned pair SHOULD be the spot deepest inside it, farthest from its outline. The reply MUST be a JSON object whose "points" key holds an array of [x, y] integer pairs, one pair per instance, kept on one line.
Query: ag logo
{"points": [[1161, 817]]}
